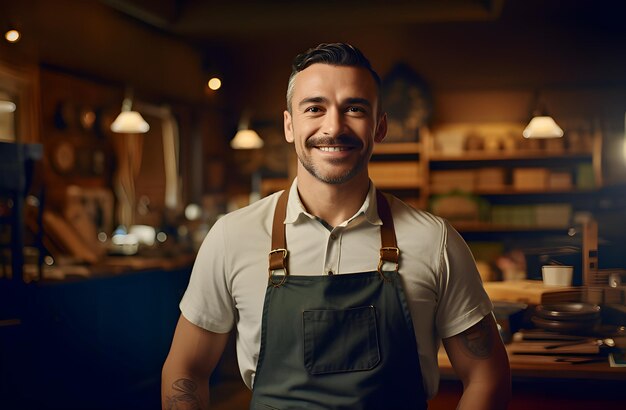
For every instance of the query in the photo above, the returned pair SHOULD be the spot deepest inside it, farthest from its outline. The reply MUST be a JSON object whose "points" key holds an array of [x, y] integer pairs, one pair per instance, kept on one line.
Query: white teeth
{"points": [[332, 149]]}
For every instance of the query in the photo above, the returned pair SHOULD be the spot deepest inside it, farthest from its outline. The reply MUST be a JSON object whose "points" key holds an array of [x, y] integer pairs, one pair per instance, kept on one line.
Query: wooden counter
{"points": [[109, 266], [541, 384], [545, 367]]}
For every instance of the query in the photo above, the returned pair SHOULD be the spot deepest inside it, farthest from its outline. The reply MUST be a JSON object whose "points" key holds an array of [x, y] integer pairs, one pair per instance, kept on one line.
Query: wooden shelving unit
{"points": [[409, 170], [398, 148], [400, 168], [505, 156]]}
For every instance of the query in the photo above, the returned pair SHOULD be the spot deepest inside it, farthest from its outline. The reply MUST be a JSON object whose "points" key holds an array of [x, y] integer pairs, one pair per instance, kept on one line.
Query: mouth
{"points": [[334, 149], [335, 145]]}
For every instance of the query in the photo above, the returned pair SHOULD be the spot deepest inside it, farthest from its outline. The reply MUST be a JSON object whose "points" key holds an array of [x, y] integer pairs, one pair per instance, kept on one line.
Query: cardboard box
{"points": [[553, 215], [456, 207], [490, 178], [560, 180], [513, 215], [446, 181], [395, 174], [530, 179]]}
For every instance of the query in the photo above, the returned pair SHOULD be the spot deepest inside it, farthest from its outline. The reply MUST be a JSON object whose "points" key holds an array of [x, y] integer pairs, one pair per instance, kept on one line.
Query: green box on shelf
{"points": [[585, 177]]}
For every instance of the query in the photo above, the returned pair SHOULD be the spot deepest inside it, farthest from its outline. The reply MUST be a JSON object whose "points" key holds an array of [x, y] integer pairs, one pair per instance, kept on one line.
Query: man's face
{"points": [[333, 121]]}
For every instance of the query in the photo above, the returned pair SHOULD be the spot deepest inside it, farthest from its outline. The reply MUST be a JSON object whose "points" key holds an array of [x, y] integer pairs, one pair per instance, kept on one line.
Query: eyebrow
{"points": [[350, 101], [314, 100]]}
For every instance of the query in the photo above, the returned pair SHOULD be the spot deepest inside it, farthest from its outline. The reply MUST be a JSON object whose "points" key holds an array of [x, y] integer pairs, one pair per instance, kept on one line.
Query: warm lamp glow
{"points": [[12, 36], [246, 139], [542, 127], [215, 83], [130, 122], [7, 106]]}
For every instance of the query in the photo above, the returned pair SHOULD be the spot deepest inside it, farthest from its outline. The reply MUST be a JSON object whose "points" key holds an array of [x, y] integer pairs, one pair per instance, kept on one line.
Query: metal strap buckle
{"points": [[381, 260], [272, 281]]}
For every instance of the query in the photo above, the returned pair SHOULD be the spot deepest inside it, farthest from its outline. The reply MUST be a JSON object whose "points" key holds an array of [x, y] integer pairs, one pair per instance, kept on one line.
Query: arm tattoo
{"points": [[477, 340], [184, 396]]}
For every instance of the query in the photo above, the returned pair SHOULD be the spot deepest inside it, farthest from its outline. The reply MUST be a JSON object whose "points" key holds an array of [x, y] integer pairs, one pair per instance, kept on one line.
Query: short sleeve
{"points": [[207, 302], [463, 301]]}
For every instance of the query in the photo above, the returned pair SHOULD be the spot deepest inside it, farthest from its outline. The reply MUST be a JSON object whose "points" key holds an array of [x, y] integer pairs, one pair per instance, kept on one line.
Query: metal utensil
{"points": [[607, 342]]}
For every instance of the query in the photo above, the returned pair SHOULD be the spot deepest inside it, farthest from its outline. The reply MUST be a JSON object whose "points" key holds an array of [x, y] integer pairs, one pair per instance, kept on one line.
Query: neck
{"points": [[332, 203]]}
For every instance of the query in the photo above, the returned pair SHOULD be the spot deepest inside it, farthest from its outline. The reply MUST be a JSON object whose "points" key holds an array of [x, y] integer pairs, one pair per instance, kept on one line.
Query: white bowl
{"points": [[557, 275]]}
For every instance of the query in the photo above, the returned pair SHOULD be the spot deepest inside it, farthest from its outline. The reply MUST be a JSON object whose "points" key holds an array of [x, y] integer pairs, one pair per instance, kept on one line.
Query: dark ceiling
{"points": [[198, 20], [205, 22]]}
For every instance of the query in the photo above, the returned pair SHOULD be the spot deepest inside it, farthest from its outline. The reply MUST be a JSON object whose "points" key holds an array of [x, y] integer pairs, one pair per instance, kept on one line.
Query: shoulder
{"points": [[405, 215], [245, 231]]}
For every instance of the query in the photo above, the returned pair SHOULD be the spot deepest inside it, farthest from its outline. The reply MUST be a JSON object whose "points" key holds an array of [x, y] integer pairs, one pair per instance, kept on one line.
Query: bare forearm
{"points": [[189, 364], [179, 391]]}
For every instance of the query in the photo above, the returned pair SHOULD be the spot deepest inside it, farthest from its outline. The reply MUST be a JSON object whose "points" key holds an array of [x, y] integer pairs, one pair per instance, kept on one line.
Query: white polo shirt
{"points": [[229, 278]]}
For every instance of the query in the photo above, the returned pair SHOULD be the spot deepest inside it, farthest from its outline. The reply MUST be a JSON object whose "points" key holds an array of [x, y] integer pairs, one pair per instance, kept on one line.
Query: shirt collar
{"points": [[296, 210]]}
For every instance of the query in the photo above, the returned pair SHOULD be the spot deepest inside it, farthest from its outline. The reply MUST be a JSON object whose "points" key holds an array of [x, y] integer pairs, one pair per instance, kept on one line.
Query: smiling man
{"points": [[361, 288]]}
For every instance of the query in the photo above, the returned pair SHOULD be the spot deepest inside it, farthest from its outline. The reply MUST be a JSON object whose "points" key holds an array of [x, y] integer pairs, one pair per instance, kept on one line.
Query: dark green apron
{"points": [[340, 341]]}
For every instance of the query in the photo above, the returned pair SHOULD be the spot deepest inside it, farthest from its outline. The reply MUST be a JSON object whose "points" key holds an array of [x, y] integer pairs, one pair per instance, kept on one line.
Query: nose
{"points": [[333, 123]]}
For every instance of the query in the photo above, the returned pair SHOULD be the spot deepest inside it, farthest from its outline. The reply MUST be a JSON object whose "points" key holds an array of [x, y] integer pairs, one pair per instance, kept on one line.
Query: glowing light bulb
{"points": [[12, 36], [214, 83]]}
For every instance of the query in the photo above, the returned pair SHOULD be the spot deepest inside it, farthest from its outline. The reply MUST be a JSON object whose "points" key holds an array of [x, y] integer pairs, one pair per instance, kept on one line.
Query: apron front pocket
{"points": [[341, 340]]}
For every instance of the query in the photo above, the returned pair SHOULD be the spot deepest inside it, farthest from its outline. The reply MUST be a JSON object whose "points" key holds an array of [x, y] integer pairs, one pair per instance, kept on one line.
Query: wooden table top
{"points": [[548, 367]]}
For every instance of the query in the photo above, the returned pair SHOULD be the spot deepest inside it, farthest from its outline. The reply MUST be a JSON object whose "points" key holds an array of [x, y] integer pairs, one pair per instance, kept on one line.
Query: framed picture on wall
{"points": [[408, 103]]}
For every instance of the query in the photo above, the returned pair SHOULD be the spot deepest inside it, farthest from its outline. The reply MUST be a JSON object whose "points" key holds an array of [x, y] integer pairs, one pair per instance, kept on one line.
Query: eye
{"points": [[313, 109], [355, 109]]}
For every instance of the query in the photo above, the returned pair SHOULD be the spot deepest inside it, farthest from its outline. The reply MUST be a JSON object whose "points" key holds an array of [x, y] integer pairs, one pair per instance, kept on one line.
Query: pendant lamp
{"points": [[129, 122], [541, 125], [7, 106], [246, 138]]}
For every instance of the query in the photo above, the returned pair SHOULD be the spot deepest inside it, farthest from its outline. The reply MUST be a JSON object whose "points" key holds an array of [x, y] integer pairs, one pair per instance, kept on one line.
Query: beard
{"points": [[321, 172]]}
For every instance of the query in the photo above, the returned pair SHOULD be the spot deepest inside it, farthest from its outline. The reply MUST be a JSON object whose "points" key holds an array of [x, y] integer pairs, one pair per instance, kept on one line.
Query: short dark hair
{"points": [[339, 54]]}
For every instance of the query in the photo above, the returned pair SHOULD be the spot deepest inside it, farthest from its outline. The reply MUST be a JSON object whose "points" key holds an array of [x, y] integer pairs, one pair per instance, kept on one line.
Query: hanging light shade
{"points": [[129, 122], [7, 106], [246, 139], [542, 126]]}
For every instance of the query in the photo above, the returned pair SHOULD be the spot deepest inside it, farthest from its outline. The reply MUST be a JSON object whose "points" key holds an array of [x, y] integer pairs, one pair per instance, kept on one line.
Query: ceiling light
{"points": [[7, 106], [129, 122], [12, 36], [214, 83], [542, 126], [246, 139]]}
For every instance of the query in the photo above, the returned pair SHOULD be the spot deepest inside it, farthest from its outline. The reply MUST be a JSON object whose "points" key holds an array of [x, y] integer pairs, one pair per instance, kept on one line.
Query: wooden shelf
{"points": [[499, 156], [513, 191], [398, 148], [399, 185]]}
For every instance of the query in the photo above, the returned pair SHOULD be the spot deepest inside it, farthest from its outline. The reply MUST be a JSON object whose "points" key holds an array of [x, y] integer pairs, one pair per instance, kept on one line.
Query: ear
{"points": [[288, 125], [381, 128]]}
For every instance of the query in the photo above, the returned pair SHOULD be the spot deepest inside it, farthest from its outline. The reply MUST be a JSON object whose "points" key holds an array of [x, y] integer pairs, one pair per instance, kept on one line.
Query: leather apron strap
{"points": [[278, 255]]}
